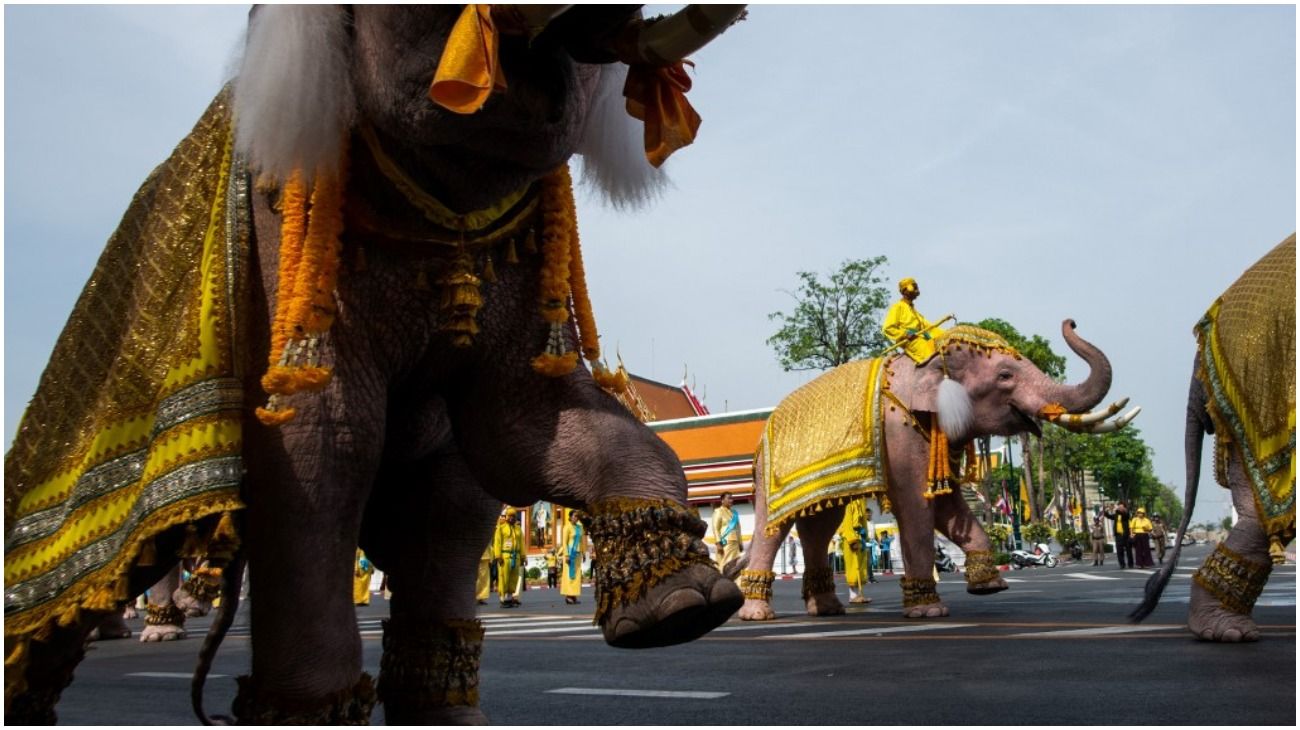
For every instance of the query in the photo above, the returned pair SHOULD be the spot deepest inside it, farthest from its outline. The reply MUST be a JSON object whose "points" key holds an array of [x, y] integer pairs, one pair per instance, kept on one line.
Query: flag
{"points": [[1025, 512]]}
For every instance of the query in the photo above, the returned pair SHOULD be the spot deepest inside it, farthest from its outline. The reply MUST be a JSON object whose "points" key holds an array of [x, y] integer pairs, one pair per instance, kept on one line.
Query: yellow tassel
{"points": [[148, 554], [530, 241], [276, 417], [489, 272], [553, 366], [511, 256]]}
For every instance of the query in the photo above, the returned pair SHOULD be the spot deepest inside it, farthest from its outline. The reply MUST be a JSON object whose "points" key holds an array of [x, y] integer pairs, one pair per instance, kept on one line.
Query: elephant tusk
{"points": [[1112, 426], [671, 39], [1087, 419]]}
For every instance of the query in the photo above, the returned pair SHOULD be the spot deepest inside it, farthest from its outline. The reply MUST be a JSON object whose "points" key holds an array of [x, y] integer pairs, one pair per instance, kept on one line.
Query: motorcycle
{"points": [[942, 562], [1040, 556]]}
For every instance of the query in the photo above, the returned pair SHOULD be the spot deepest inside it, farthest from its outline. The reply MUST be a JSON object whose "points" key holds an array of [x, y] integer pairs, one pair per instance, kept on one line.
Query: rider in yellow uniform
{"points": [[573, 546], [361, 572], [903, 322]]}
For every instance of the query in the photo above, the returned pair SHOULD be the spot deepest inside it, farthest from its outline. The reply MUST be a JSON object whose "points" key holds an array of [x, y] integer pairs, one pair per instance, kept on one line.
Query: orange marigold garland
{"points": [[308, 274], [563, 276]]}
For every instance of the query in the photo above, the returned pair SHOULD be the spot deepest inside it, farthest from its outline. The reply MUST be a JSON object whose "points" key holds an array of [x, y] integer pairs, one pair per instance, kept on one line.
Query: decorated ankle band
{"points": [[980, 567], [756, 584], [425, 667], [351, 706], [168, 615], [638, 543], [204, 584], [1234, 581], [817, 579], [919, 591]]}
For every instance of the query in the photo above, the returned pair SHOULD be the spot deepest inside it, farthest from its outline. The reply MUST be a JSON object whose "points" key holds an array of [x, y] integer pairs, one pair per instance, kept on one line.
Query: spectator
{"points": [[1098, 540], [1123, 544], [574, 544], [726, 531], [1141, 527], [886, 560], [1160, 536]]}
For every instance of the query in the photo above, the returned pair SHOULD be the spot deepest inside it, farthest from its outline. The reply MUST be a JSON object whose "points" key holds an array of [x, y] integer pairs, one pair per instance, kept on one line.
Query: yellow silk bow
{"points": [[657, 96], [469, 70]]}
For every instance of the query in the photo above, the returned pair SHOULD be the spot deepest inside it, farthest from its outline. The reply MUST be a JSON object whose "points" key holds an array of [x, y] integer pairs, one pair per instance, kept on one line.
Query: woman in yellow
{"points": [[361, 572], [507, 547], [857, 553], [573, 545], [903, 322], [1140, 527]]}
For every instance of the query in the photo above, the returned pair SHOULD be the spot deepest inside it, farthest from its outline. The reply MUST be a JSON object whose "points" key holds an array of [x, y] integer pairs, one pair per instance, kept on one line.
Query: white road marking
{"points": [[751, 625], [661, 693], [1090, 576], [573, 626], [870, 632], [523, 621], [1099, 631], [172, 675]]}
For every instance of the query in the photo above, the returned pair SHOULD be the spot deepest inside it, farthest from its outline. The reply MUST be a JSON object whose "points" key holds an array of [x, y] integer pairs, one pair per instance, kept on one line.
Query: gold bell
{"points": [[461, 300]]}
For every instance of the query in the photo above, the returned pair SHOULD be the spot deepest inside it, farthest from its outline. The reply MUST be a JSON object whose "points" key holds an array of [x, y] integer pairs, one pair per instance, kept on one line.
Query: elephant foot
{"points": [[429, 673], [987, 588], [129, 612], [930, 610], [162, 632], [1223, 595], [112, 627], [824, 604], [921, 598], [191, 604], [681, 608], [756, 609]]}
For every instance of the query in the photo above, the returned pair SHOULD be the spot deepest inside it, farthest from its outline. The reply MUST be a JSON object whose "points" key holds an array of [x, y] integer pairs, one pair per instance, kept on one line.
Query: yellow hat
{"points": [[906, 283], [511, 511], [1142, 510]]}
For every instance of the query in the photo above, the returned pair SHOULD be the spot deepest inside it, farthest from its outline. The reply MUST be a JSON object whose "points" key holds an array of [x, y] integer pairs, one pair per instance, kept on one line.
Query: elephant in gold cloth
{"points": [[885, 427], [348, 311], [1242, 392]]}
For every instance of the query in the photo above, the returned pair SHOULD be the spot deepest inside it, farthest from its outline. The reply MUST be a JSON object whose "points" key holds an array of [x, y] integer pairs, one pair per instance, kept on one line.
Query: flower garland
{"points": [[308, 273], [562, 277]]}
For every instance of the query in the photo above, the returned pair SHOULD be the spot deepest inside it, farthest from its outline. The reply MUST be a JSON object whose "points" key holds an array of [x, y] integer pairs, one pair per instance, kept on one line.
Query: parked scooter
{"points": [[942, 562], [1041, 555]]}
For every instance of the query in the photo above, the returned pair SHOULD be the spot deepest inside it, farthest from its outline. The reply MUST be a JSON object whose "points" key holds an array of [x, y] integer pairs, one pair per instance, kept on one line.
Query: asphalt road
{"points": [[1054, 649]]}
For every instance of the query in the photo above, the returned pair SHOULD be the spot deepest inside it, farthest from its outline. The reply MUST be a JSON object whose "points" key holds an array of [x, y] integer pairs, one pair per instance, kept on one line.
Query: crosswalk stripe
{"points": [[545, 630], [1090, 576], [1098, 631], [172, 675], [869, 632], [660, 693], [751, 625]]}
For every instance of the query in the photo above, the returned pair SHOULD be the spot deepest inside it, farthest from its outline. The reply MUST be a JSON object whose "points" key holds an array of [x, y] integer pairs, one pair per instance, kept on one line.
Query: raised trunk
{"points": [[1086, 395]]}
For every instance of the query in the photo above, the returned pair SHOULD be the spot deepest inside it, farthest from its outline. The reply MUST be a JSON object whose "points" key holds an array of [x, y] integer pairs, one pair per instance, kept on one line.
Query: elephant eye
{"points": [[1004, 375]]}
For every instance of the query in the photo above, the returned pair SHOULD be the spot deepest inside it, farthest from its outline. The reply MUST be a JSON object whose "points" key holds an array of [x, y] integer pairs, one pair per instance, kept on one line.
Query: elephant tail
{"points": [[232, 580], [1198, 425]]}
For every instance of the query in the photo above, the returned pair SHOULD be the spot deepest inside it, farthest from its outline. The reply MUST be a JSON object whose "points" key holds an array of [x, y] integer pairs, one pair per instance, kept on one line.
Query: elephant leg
{"points": [[916, 523], [113, 626], [755, 580], [816, 532], [955, 522], [426, 529], [1226, 586], [573, 444], [306, 488], [163, 620]]}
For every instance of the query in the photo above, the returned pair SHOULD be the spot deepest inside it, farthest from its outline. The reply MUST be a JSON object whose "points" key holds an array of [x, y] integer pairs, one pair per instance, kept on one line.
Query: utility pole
{"points": [[1015, 499]]}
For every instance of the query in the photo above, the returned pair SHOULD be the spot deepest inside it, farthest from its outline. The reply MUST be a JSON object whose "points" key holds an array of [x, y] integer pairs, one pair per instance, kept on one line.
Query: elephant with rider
{"points": [[895, 428], [348, 311]]}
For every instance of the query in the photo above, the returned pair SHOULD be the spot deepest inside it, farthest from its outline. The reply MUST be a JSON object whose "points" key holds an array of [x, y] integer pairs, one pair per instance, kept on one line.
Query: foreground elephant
{"points": [[1243, 392], [401, 274], [872, 426]]}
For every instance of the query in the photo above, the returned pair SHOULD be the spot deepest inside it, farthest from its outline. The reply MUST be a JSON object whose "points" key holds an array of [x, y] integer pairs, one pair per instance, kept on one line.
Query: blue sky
{"points": [[1119, 165]]}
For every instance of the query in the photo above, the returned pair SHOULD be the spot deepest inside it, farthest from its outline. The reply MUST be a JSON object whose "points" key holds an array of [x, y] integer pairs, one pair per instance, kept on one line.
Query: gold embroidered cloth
{"points": [[824, 444], [1246, 362], [135, 426]]}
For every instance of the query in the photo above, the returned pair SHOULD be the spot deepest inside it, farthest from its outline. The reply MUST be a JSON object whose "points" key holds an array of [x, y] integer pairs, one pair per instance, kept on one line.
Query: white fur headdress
{"points": [[294, 106]]}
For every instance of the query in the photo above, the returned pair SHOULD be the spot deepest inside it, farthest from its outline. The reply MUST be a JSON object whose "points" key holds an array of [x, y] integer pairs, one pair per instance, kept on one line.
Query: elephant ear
{"points": [[925, 397]]}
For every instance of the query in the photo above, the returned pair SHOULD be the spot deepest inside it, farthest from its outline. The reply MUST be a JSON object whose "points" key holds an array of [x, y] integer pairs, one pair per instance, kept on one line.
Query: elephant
{"points": [[1243, 392], [392, 403], [863, 427]]}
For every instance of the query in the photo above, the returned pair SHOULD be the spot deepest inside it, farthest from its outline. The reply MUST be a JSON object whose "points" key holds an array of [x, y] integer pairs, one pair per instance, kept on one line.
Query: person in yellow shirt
{"points": [[904, 323], [507, 548], [1141, 527], [726, 531], [553, 568], [483, 586], [857, 551], [573, 546], [361, 572]]}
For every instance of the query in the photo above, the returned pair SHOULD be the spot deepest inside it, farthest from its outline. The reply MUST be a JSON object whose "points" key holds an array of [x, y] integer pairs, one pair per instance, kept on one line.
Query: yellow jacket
{"points": [[902, 320], [1139, 524]]}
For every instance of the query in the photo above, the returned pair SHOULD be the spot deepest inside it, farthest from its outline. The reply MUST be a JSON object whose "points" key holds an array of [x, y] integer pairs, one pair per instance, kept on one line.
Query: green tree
{"points": [[1121, 463], [1167, 504], [833, 322]]}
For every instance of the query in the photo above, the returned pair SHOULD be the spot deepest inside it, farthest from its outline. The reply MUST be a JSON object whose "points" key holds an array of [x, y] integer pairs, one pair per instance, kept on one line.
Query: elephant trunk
{"points": [[1083, 396]]}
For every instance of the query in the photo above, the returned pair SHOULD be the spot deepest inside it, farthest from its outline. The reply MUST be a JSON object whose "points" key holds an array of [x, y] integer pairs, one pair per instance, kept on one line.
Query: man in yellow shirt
{"points": [[1141, 527], [507, 547], [857, 552], [904, 323], [726, 531]]}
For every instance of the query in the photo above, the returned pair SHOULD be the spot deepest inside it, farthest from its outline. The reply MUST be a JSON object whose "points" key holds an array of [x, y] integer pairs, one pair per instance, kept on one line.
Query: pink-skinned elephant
{"points": [[342, 314], [1242, 392], [871, 426]]}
